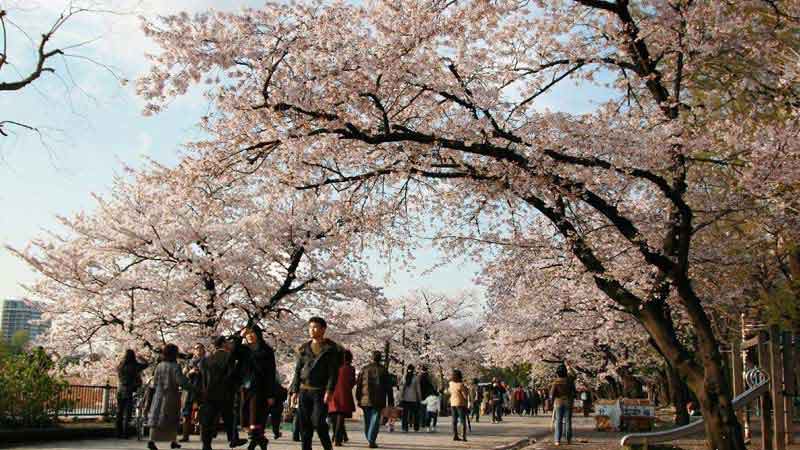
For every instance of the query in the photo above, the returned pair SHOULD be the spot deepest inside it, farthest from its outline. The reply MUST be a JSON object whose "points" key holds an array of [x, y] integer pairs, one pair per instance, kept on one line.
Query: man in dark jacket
{"points": [[373, 393], [315, 373], [217, 373], [427, 389]]}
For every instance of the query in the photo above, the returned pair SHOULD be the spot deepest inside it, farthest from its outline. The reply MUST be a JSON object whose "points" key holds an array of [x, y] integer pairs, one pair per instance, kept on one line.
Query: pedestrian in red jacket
{"points": [[341, 405]]}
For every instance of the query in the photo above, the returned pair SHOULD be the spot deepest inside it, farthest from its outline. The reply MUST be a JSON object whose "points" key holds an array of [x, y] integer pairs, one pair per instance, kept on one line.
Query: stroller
{"points": [[141, 400]]}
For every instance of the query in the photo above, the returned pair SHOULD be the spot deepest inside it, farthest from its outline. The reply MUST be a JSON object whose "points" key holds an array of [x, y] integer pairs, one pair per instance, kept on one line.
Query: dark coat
{"points": [[218, 376], [342, 399], [129, 378], [317, 371], [426, 385], [256, 369], [374, 387]]}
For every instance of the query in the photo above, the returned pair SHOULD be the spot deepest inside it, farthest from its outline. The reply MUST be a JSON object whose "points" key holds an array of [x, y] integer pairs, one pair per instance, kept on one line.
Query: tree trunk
{"points": [[723, 431], [703, 373], [678, 395]]}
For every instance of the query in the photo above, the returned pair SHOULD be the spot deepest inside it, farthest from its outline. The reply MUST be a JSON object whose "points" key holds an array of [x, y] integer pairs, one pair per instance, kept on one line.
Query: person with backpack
{"points": [[373, 394]]}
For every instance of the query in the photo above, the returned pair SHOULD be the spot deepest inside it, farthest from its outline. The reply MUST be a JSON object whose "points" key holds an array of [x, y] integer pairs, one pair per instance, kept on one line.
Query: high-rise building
{"points": [[19, 315]]}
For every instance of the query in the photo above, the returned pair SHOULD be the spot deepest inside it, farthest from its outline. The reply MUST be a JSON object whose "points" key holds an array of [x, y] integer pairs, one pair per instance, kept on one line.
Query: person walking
{"points": [[373, 393], [427, 388], [129, 379], [164, 415], [315, 376], [432, 403], [257, 372], [498, 396], [193, 374], [535, 400], [411, 397], [475, 399], [215, 397], [458, 404], [562, 394], [341, 405], [276, 410]]}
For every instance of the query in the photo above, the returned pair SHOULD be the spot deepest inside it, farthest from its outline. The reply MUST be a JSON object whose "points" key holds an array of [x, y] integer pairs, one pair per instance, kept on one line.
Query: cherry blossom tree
{"points": [[433, 108], [442, 331], [172, 255]]}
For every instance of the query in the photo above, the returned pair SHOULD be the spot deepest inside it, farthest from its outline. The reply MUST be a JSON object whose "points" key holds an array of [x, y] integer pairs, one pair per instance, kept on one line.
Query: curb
{"points": [[32, 436]]}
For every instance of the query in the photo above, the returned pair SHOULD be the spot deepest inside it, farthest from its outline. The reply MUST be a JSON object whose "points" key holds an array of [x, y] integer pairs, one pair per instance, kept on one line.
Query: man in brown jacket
{"points": [[373, 393]]}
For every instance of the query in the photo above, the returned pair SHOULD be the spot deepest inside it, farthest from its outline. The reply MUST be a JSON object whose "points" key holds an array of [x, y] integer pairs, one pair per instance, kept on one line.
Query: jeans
{"points": [[431, 418], [563, 421], [476, 411], [372, 424], [460, 415], [313, 414]]}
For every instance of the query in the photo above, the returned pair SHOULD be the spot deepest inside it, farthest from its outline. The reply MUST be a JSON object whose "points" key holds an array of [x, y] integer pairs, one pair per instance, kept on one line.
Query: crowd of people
{"points": [[237, 381]]}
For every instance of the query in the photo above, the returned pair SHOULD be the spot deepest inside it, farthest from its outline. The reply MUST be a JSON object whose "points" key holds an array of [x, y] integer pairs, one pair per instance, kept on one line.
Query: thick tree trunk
{"points": [[723, 431], [703, 373], [678, 395]]}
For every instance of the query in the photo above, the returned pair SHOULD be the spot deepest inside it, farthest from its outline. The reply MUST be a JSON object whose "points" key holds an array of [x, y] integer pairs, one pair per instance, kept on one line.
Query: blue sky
{"points": [[92, 125]]}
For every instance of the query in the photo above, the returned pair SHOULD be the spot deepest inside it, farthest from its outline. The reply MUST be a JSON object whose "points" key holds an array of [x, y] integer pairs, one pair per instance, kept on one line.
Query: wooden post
{"points": [[776, 386], [747, 365], [737, 367], [789, 385], [765, 400]]}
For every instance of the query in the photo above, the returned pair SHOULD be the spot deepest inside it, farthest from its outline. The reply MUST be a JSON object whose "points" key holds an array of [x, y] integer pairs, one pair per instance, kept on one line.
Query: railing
{"points": [[759, 384], [84, 400]]}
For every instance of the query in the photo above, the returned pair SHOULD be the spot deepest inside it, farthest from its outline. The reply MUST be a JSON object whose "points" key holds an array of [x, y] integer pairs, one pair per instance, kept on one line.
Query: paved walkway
{"points": [[485, 435]]}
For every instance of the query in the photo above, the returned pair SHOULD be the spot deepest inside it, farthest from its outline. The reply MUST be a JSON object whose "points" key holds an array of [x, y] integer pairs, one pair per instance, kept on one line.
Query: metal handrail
{"points": [[740, 401]]}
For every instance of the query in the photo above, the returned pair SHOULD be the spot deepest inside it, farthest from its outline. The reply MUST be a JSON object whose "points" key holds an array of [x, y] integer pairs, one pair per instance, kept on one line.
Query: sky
{"points": [[91, 126]]}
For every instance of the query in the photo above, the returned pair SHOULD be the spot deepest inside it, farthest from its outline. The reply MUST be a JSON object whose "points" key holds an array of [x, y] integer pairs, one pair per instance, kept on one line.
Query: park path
{"points": [[485, 435]]}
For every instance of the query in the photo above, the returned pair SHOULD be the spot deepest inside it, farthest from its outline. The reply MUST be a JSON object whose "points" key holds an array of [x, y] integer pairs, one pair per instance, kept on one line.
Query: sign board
{"points": [[608, 415]]}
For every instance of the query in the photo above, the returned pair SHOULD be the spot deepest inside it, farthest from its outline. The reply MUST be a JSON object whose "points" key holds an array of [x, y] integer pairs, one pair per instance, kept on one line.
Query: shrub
{"points": [[29, 390]]}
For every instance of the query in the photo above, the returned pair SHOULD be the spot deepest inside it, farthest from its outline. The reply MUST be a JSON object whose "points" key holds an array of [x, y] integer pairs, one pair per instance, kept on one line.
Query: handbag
{"points": [[391, 412], [288, 414]]}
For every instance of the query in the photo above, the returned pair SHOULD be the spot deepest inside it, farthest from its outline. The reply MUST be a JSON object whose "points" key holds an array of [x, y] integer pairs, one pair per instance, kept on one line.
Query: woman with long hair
{"points": [[129, 379], [164, 414], [257, 365], [341, 405], [458, 404], [562, 394], [410, 399]]}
